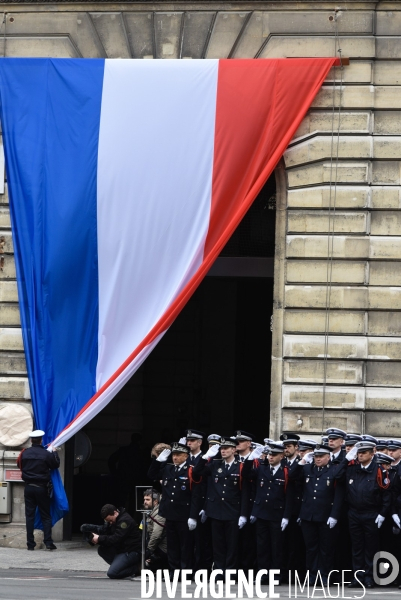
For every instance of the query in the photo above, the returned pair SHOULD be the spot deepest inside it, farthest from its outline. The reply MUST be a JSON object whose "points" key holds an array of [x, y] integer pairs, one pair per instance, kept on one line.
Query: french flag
{"points": [[126, 179]]}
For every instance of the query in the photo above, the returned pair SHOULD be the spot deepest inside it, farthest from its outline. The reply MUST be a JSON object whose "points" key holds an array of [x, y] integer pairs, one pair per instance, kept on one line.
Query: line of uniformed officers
{"points": [[293, 504]]}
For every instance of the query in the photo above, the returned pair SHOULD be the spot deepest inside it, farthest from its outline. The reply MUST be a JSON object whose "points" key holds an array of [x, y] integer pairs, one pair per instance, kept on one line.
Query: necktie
{"points": [[192, 459], [272, 470], [227, 466]]}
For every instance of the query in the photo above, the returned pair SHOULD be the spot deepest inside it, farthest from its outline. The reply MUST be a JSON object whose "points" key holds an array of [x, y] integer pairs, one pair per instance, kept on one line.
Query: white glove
{"points": [[379, 520], [331, 522], [266, 450], [308, 458], [203, 516], [252, 519], [191, 524], [396, 520], [164, 454], [257, 452], [213, 450], [351, 455], [284, 523], [241, 522], [182, 441], [299, 521]]}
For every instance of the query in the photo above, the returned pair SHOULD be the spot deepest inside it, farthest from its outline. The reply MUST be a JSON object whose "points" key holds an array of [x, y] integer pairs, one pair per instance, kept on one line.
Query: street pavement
{"points": [[75, 572]]}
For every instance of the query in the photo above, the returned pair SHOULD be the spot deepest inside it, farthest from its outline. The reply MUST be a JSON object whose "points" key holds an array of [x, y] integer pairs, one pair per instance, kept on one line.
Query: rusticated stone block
{"points": [[313, 346], [387, 147], [317, 246], [386, 222], [311, 421], [383, 374], [9, 315], [311, 396], [384, 348], [383, 399], [11, 339], [385, 247], [314, 371], [386, 197], [387, 122], [320, 148], [323, 197], [315, 296], [383, 424], [14, 387], [350, 122], [324, 222], [387, 72], [324, 173], [384, 323], [294, 46], [318, 271], [386, 172], [8, 291], [314, 321], [385, 273], [353, 96]]}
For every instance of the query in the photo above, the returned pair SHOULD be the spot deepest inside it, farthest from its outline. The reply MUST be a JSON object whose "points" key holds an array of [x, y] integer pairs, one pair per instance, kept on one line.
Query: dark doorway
{"points": [[211, 370]]}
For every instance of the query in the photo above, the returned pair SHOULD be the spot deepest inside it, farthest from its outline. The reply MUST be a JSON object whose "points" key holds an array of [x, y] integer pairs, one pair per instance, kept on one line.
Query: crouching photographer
{"points": [[119, 541]]}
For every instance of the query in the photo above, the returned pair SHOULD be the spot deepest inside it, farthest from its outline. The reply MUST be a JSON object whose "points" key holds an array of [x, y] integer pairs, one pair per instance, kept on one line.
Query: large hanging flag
{"points": [[126, 179]]}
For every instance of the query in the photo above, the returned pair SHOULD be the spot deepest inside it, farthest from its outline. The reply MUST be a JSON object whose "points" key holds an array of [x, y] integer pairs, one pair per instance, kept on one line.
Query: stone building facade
{"points": [[338, 196]]}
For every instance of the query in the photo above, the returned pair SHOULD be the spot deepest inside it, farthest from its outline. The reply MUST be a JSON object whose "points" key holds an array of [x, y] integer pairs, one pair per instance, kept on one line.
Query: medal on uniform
{"points": [[165, 483], [183, 487], [219, 470], [351, 481], [216, 479], [262, 483], [386, 481], [307, 479]]}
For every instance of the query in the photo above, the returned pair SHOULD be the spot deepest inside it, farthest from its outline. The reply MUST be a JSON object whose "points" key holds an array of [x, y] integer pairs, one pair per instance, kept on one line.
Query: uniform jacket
{"points": [[296, 490], [36, 463], [227, 492], [273, 498], [340, 457], [322, 494], [179, 500], [155, 524], [123, 535], [363, 492]]}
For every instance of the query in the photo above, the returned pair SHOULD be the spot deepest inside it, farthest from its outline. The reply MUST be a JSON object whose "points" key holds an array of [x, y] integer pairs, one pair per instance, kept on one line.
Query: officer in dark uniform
{"points": [[36, 463], [119, 541], [294, 546], [322, 498], [336, 439], [382, 446], [247, 535], [369, 500], [305, 446], [194, 440], [272, 505], [226, 501], [180, 504], [350, 440]]}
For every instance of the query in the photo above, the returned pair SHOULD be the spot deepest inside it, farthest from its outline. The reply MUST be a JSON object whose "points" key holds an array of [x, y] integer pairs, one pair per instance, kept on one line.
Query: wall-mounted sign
{"points": [[12, 475]]}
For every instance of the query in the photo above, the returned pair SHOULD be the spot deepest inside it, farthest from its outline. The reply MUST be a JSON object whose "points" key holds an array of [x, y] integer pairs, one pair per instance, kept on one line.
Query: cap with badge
{"points": [[289, 438], [276, 447], [383, 459], [306, 445], [382, 444], [243, 436], [177, 447], [213, 438], [369, 438], [352, 438], [321, 449], [228, 442], [365, 445], [393, 444], [38, 433], [194, 434], [333, 433]]}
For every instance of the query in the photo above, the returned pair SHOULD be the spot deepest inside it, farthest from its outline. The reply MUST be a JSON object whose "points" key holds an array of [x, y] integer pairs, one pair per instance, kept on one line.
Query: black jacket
{"points": [[123, 535], [227, 493], [271, 502], [180, 500], [322, 494], [363, 492], [36, 463]]}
